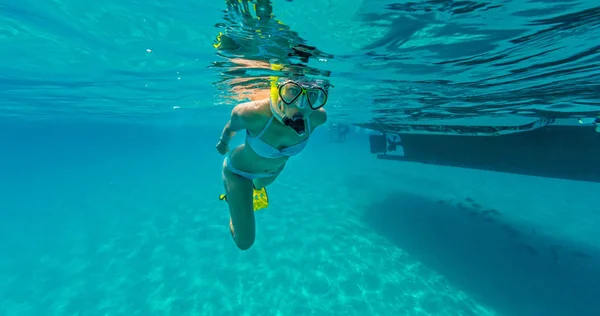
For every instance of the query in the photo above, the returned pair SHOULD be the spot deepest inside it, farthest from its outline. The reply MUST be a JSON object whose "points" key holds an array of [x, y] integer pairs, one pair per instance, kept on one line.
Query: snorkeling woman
{"points": [[277, 128]]}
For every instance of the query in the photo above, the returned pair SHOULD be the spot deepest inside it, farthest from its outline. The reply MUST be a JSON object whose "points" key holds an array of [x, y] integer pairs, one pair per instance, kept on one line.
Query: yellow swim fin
{"points": [[260, 199]]}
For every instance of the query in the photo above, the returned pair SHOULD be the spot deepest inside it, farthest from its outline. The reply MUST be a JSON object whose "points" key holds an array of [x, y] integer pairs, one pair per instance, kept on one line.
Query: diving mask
{"points": [[290, 91]]}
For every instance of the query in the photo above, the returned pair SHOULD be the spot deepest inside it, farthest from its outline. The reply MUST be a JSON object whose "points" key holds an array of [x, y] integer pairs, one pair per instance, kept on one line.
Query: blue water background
{"points": [[109, 178], [124, 220]]}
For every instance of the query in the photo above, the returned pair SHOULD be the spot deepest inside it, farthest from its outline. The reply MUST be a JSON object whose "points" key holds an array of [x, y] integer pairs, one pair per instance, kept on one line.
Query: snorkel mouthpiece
{"points": [[296, 123]]}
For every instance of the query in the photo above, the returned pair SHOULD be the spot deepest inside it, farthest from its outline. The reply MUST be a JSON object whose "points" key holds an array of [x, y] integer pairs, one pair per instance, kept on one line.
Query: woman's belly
{"points": [[245, 159]]}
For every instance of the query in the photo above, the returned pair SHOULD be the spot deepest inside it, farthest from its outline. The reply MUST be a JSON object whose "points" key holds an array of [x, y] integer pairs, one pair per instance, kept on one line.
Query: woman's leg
{"points": [[263, 182], [241, 210]]}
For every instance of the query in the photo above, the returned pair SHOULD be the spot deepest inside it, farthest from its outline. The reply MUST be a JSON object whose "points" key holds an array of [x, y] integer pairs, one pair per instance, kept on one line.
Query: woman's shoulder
{"points": [[319, 117], [254, 112]]}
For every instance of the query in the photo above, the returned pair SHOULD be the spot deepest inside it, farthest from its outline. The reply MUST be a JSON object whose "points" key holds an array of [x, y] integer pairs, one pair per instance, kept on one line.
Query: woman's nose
{"points": [[302, 101]]}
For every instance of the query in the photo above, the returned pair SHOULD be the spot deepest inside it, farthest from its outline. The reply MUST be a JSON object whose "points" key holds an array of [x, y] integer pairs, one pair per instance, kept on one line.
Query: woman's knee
{"points": [[244, 243], [243, 234], [245, 239]]}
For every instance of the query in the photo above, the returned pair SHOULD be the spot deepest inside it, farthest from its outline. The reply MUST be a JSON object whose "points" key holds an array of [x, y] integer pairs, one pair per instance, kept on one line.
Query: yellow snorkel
{"points": [[274, 80], [274, 83]]}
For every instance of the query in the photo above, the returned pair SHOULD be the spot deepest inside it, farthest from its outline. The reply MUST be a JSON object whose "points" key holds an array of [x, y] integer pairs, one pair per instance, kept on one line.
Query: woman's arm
{"points": [[242, 116], [233, 125]]}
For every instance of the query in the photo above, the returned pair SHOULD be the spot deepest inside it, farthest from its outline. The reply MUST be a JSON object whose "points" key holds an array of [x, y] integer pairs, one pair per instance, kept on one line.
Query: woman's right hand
{"points": [[222, 148]]}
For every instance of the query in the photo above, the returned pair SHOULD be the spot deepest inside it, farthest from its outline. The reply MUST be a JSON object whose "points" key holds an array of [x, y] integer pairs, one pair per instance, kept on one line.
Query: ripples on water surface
{"points": [[389, 61]]}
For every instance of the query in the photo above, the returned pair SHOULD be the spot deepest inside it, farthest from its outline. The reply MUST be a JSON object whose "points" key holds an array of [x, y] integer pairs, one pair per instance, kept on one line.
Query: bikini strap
{"points": [[265, 128]]}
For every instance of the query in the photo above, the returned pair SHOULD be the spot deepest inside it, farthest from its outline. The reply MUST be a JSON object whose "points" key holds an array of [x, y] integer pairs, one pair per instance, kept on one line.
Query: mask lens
{"points": [[289, 92], [316, 97]]}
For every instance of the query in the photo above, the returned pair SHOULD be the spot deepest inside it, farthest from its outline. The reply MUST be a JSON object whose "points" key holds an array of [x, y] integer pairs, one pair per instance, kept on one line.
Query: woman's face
{"points": [[300, 98], [299, 107]]}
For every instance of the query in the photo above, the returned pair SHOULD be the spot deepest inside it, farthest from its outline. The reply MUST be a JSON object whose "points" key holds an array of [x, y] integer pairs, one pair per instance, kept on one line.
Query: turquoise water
{"points": [[107, 219], [109, 179]]}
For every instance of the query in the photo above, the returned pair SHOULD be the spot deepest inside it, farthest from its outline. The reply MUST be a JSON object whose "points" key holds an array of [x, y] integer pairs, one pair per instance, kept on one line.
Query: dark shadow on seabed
{"points": [[514, 270]]}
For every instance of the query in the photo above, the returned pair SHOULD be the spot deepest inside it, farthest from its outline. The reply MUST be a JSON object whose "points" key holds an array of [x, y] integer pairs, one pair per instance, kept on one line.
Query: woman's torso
{"points": [[275, 135]]}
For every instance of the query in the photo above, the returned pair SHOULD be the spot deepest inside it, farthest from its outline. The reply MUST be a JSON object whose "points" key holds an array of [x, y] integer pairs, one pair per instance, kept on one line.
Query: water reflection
{"points": [[256, 45], [495, 58], [435, 59]]}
